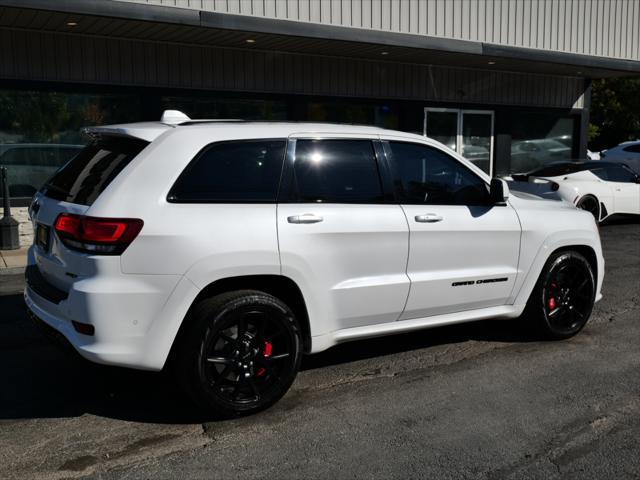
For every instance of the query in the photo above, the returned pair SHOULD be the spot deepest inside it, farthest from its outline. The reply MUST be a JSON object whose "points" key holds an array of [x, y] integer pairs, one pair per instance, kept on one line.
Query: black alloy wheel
{"points": [[242, 354], [591, 205], [564, 297]]}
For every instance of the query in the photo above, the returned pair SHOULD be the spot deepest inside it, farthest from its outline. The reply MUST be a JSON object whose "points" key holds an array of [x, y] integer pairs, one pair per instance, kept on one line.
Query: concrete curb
{"points": [[12, 271]]}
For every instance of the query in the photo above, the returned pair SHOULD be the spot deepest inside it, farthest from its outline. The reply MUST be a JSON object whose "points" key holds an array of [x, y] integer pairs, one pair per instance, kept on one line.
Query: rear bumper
{"points": [[133, 317]]}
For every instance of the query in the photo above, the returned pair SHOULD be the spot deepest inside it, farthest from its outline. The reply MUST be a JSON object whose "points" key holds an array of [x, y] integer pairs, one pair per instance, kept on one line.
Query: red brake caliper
{"points": [[552, 300], [268, 348]]}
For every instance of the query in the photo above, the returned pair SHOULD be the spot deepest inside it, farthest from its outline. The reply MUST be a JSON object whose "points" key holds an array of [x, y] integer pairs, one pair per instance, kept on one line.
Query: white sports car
{"points": [[602, 188]]}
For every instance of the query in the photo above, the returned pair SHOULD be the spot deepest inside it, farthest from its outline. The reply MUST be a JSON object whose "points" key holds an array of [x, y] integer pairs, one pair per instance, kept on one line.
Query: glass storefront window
{"points": [[477, 135], [384, 116], [539, 139], [341, 113], [41, 131], [469, 132], [236, 108], [442, 126]]}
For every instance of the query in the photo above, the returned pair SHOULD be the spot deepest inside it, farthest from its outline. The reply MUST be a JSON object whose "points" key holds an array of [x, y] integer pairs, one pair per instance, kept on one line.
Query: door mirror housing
{"points": [[499, 191]]}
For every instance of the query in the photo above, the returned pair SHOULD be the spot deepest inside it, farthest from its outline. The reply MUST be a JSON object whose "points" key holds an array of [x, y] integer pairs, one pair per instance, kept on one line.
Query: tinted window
{"points": [[336, 171], [425, 175], [556, 170], [86, 175], [620, 174], [600, 172], [243, 172], [632, 148]]}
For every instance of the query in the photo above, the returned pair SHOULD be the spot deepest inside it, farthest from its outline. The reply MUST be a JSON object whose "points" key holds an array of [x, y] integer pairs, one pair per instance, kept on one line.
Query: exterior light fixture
{"points": [[491, 63], [250, 40], [72, 24], [384, 53]]}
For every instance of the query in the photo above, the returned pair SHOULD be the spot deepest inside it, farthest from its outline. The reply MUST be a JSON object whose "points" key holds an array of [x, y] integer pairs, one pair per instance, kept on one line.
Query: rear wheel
{"points": [[241, 353], [591, 205], [564, 296]]}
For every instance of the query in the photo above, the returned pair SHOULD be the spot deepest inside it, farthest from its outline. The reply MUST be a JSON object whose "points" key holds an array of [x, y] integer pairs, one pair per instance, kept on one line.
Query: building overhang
{"points": [[115, 19]]}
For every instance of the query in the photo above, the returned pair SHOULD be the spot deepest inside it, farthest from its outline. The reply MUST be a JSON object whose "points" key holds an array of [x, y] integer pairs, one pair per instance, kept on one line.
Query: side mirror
{"points": [[499, 191]]}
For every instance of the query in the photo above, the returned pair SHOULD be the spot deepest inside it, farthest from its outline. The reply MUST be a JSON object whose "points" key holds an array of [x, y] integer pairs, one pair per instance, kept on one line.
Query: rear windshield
{"points": [[87, 174]]}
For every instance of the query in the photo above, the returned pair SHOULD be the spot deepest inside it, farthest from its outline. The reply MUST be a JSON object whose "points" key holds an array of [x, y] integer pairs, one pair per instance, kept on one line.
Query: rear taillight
{"points": [[98, 236]]}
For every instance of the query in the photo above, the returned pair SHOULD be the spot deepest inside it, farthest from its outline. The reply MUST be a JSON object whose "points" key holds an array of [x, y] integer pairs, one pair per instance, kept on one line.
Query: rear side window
{"points": [[427, 176], [600, 173], [90, 172], [633, 148], [620, 174], [336, 171], [232, 172]]}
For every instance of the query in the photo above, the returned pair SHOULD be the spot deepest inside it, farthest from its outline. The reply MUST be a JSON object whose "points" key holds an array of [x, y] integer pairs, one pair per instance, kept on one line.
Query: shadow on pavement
{"points": [[621, 219], [41, 380]]}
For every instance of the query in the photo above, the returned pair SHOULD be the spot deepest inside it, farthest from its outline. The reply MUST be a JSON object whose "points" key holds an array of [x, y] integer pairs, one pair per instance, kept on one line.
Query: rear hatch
{"points": [[68, 195]]}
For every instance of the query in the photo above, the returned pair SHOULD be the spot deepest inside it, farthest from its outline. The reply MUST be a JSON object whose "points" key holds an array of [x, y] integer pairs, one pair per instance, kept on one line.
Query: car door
{"points": [[626, 190], [341, 239], [463, 251]]}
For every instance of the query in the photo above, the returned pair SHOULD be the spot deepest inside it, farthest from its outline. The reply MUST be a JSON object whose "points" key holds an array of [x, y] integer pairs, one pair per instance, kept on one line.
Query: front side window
{"points": [[336, 171], [427, 176], [232, 172]]}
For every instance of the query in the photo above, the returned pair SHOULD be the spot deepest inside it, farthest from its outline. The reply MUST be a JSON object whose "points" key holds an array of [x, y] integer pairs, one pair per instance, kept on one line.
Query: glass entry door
{"points": [[468, 132]]}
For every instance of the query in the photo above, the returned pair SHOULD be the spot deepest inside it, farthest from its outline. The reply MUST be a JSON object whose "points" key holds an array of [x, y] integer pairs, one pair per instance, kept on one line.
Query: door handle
{"points": [[428, 218], [305, 218]]}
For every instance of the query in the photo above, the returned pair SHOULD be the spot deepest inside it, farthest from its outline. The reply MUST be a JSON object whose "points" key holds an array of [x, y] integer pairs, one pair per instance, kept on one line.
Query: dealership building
{"points": [[504, 82]]}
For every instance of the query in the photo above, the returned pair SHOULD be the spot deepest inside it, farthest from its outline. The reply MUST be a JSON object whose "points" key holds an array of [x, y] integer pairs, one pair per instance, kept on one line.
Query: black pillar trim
{"points": [[584, 120]]}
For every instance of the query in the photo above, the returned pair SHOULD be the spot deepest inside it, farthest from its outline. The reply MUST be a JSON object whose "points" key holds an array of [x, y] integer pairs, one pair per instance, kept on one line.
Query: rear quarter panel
{"points": [[575, 186], [203, 241]]}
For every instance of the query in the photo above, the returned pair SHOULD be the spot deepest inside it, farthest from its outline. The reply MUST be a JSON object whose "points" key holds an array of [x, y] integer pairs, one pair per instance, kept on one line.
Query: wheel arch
{"points": [[582, 196], [279, 286], [587, 248]]}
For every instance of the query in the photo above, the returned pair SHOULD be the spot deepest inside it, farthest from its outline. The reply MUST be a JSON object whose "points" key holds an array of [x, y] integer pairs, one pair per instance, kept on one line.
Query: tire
{"points": [[591, 205], [240, 353], [563, 298]]}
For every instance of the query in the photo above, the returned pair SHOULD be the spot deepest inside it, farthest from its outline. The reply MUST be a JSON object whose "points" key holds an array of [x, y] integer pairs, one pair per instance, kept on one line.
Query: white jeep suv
{"points": [[229, 249]]}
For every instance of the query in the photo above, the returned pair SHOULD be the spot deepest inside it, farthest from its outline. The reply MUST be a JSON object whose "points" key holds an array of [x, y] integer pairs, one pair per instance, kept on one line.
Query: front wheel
{"points": [[241, 353], [563, 298]]}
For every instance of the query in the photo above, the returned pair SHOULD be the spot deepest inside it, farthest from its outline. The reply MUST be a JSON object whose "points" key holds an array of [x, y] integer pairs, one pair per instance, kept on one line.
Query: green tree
{"points": [[615, 112]]}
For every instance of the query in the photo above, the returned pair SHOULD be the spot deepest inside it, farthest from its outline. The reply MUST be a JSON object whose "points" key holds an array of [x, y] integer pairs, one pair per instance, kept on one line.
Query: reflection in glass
{"points": [[476, 139], [538, 140], [40, 131], [384, 116], [443, 127], [226, 108]]}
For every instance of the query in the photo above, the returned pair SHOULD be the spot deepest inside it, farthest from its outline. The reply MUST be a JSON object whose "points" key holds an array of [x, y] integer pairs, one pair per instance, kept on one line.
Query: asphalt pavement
{"points": [[483, 400]]}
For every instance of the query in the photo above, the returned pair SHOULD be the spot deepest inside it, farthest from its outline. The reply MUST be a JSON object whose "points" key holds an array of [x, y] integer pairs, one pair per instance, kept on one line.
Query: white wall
{"points": [[607, 28]]}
